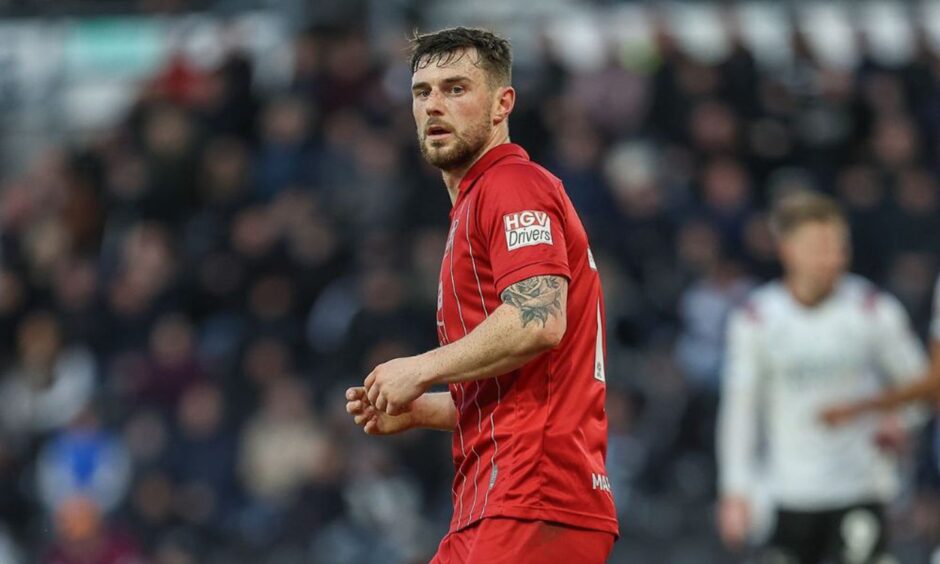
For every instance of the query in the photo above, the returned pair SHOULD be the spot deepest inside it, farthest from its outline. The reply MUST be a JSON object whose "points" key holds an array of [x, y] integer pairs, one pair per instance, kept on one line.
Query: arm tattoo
{"points": [[536, 298]]}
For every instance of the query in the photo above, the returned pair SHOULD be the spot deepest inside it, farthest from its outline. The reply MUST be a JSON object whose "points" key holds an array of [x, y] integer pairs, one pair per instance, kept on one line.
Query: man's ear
{"points": [[505, 102]]}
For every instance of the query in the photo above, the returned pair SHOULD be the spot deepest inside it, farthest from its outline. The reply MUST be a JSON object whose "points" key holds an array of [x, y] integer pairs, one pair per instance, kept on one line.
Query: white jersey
{"points": [[786, 362]]}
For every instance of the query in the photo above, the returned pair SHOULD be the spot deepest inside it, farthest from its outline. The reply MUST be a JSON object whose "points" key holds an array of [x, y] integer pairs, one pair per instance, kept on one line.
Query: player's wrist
{"points": [[408, 420], [418, 414], [429, 372]]}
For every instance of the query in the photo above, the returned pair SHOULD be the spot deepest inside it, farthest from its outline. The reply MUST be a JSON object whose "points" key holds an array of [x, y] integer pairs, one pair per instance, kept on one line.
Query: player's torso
{"points": [[527, 437], [826, 350], [817, 357], [465, 291]]}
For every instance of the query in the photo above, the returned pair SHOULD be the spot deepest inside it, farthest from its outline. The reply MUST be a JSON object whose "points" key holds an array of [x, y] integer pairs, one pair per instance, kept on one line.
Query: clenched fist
{"points": [[393, 385]]}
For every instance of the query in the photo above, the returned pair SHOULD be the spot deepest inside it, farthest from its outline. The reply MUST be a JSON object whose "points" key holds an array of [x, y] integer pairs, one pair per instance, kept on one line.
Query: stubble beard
{"points": [[462, 151]]}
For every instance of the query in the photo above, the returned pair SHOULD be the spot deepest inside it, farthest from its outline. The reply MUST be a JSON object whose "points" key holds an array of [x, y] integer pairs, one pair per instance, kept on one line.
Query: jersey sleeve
{"points": [[739, 407], [522, 216], [899, 352]]}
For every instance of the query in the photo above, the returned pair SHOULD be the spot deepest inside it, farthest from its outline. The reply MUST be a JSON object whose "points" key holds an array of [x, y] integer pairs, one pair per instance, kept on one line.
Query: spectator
{"points": [[172, 365], [280, 445], [201, 458], [84, 536], [83, 460], [51, 383]]}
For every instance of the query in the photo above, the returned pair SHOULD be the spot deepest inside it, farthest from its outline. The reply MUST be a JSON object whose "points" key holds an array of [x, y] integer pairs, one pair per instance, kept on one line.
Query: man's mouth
{"points": [[437, 132]]}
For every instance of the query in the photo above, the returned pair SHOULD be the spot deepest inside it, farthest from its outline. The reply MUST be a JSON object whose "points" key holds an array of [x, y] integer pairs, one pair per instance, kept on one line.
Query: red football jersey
{"points": [[530, 444]]}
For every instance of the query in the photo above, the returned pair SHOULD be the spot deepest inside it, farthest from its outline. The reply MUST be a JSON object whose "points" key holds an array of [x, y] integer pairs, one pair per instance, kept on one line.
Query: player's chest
{"points": [[465, 260], [806, 350], [465, 291]]}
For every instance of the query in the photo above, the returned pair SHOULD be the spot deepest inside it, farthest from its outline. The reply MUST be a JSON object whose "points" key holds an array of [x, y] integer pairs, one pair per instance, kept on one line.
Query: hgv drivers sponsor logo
{"points": [[527, 228]]}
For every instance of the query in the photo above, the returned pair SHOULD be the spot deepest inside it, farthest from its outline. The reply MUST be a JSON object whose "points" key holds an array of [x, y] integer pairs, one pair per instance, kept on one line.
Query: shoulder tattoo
{"points": [[536, 298]]}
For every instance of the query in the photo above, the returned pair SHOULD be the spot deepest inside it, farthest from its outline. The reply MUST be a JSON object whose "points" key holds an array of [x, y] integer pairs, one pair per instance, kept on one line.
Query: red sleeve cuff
{"points": [[530, 270]]}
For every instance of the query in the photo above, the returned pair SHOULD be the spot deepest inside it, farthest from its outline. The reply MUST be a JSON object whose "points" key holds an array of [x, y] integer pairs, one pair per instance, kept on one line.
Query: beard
{"points": [[462, 150]]}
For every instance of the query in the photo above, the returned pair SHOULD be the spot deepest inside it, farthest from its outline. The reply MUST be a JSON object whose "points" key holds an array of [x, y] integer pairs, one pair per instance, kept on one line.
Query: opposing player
{"points": [[817, 337], [520, 320], [926, 389]]}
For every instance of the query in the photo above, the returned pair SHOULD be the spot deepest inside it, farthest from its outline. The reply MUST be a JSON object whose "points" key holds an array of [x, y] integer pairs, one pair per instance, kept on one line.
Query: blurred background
{"points": [[214, 217]]}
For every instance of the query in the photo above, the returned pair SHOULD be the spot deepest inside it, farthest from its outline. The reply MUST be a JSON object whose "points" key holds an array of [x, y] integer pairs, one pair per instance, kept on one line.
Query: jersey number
{"points": [[599, 348]]}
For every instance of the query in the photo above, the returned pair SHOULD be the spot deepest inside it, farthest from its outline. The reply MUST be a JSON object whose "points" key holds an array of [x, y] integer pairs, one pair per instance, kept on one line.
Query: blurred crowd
{"points": [[184, 297]]}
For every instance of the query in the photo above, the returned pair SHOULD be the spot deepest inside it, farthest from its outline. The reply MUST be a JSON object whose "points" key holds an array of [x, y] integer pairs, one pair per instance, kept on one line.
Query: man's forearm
{"points": [[531, 320], [922, 390], [737, 437], [927, 389], [735, 447], [497, 346], [434, 411]]}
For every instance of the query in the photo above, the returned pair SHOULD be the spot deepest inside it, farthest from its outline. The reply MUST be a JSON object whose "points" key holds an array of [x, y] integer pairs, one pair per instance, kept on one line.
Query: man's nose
{"points": [[433, 105]]}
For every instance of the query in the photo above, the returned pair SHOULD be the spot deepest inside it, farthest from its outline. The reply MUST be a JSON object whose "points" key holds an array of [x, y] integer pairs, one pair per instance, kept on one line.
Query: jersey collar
{"points": [[487, 161]]}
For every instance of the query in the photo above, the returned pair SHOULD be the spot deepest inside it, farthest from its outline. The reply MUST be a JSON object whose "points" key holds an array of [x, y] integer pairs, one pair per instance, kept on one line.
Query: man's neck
{"points": [[452, 178], [806, 293]]}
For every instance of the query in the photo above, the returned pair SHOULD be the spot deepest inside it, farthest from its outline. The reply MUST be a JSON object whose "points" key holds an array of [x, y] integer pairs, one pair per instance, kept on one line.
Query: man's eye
{"points": [[457, 90]]}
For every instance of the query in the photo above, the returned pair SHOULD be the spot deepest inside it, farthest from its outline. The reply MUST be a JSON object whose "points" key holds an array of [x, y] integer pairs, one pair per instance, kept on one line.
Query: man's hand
{"points": [[374, 422], [392, 386], [891, 436], [734, 521], [843, 413]]}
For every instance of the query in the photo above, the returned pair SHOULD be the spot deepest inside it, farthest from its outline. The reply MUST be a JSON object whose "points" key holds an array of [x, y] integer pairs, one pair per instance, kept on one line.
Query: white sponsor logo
{"points": [[591, 259], [600, 482], [527, 228]]}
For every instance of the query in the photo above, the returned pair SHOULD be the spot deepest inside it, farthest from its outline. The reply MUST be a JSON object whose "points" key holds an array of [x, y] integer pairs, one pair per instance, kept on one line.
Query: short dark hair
{"points": [[804, 206], [494, 54]]}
